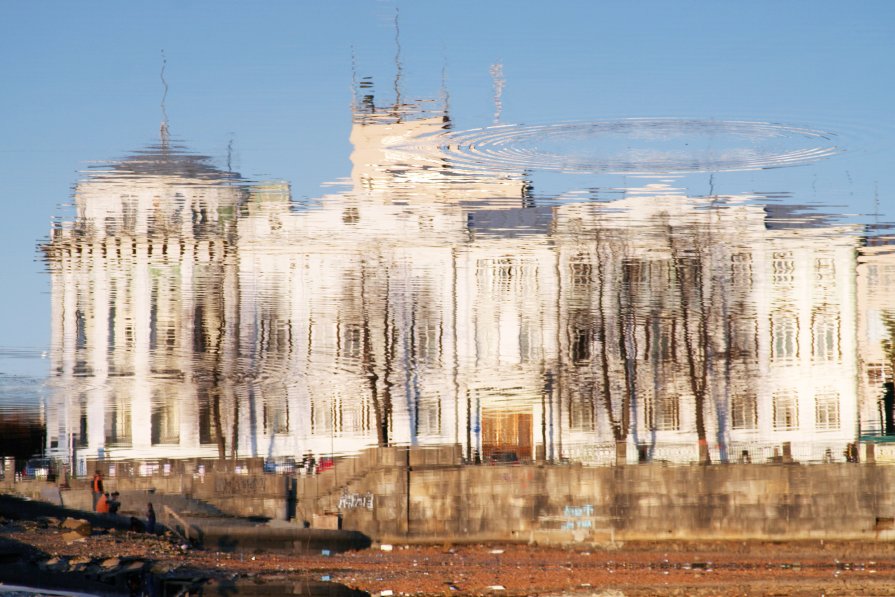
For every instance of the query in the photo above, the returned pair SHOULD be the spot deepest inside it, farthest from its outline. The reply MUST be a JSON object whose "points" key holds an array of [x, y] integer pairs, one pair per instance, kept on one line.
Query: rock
{"points": [[162, 568], [110, 563], [78, 525], [72, 536], [49, 521], [55, 565], [77, 560]]}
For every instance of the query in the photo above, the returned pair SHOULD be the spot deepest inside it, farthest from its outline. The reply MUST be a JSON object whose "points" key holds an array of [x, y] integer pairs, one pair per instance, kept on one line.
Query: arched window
{"points": [[784, 335], [825, 335]]}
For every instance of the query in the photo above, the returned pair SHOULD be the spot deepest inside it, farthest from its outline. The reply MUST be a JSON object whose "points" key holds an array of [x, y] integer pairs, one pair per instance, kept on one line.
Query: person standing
{"points": [[150, 519], [114, 504], [97, 487]]}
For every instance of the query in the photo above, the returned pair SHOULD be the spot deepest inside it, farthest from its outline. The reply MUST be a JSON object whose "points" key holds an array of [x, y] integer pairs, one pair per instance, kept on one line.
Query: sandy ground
{"points": [[660, 568]]}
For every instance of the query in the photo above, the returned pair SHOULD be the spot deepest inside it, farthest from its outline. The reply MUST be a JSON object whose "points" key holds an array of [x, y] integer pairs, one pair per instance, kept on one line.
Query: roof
{"points": [[167, 160]]}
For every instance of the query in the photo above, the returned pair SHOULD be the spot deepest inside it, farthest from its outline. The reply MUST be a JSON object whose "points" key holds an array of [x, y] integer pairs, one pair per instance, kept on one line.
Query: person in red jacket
{"points": [[96, 487], [102, 504]]}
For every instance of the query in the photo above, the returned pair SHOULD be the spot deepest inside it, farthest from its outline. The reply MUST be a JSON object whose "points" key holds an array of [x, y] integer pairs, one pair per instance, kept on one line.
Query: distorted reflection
{"points": [[196, 314]]}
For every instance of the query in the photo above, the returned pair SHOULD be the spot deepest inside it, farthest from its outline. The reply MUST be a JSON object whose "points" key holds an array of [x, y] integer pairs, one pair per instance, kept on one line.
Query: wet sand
{"points": [[632, 569], [643, 568]]}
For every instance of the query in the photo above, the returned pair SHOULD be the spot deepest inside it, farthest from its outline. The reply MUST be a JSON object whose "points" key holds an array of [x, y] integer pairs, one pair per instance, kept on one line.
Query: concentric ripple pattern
{"points": [[639, 145]]}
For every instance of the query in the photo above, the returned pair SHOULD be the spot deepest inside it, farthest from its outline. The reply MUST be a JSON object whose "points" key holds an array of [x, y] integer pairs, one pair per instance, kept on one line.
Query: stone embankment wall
{"points": [[436, 501], [240, 488], [400, 494]]}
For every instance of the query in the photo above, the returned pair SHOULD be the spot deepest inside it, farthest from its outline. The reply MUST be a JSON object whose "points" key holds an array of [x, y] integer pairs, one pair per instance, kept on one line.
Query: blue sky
{"points": [[81, 84]]}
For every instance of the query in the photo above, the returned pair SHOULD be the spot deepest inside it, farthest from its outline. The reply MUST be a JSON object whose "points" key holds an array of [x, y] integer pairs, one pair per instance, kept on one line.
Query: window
{"points": [[666, 340], [351, 341], [784, 335], [80, 329], [428, 339], [428, 417], [529, 342], [875, 373], [824, 335], [581, 414], [741, 271], [321, 416], [118, 421], [504, 274], [662, 412], [786, 410], [581, 343], [744, 336], [582, 274], [210, 424], [338, 416], [276, 416], [783, 268], [827, 410], [165, 424], [824, 272], [744, 411]]}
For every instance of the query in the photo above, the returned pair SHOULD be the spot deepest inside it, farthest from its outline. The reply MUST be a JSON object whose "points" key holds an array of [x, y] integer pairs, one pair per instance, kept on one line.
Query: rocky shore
{"points": [[74, 554]]}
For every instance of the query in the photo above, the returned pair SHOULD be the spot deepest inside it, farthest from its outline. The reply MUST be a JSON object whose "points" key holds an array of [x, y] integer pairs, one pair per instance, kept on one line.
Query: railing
{"points": [[169, 514]]}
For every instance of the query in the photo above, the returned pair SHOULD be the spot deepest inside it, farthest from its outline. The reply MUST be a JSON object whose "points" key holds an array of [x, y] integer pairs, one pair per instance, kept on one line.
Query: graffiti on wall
{"points": [[578, 517], [352, 501], [232, 485]]}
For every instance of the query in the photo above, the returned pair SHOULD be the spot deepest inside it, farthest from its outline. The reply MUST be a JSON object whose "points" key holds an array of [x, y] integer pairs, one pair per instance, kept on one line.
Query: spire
{"points": [[445, 97], [398, 69], [163, 129]]}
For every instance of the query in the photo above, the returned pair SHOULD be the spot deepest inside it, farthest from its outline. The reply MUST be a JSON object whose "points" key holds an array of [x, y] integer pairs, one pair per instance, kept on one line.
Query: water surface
{"points": [[437, 299], [532, 240]]}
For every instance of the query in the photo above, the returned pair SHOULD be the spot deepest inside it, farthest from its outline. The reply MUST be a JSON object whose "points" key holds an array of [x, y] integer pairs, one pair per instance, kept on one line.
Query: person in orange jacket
{"points": [[102, 505], [96, 486]]}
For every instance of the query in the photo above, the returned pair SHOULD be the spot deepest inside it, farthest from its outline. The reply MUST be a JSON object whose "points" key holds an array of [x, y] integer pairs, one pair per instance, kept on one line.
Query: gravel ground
{"points": [[632, 569]]}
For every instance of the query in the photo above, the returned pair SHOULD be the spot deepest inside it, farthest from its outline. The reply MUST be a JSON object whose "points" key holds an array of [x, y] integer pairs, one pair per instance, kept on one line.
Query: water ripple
{"points": [[634, 146]]}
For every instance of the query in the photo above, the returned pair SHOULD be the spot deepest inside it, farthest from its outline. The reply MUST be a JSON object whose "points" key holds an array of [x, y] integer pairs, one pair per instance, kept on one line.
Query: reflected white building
{"points": [[195, 317], [141, 281], [716, 321], [876, 332]]}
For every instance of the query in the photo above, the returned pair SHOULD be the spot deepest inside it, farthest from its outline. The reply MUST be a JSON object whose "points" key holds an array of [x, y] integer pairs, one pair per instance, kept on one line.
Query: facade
{"points": [[197, 316], [140, 283], [876, 335]]}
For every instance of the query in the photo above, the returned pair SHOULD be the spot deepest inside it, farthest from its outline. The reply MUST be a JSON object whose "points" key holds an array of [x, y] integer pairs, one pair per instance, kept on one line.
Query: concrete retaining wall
{"points": [[559, 504], [393, 494], [247, 494]]}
